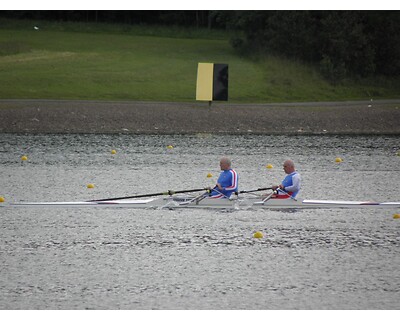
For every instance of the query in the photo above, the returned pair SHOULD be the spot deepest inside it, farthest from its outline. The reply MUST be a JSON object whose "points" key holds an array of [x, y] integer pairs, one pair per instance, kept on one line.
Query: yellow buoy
{"points": [[90, 186], [113, 151], [398, 153], [338, 160], [209, 175], [2, 199], [269, 166], [396, 216], [258, 235], [170, 147], [24, 158]]}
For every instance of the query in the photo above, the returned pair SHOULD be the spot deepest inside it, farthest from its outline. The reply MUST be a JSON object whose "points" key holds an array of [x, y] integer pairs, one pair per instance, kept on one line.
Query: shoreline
{"points": [[136, 117]]}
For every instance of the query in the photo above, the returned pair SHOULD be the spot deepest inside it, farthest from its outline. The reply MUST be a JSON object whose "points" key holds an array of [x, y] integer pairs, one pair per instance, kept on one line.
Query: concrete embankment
{"points": [[71, 116]]}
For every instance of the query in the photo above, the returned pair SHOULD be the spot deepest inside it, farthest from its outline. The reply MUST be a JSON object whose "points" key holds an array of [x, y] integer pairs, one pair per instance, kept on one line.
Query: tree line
{"points": [[341, 43], [199, 18]]}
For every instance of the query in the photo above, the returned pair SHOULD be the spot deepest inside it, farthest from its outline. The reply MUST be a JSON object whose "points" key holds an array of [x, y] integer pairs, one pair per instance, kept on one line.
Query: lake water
{"points": [[108, 258]]}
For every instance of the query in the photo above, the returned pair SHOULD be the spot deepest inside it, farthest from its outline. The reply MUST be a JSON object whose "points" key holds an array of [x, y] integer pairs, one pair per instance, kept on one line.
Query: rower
{"points": [[291, 184], [227, 182]]}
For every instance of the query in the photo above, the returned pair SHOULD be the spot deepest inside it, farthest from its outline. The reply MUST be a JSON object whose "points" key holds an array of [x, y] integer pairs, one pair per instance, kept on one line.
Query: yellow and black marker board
{"points": [[212, 82]]}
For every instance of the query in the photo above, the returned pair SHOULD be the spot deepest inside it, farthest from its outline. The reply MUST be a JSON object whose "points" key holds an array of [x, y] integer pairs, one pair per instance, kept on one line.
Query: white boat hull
{"points": [[190, 202]]}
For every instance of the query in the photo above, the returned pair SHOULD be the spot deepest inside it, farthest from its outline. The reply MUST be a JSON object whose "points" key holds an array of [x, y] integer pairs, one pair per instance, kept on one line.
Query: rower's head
{"points": [[288, 166], [225, 163]]}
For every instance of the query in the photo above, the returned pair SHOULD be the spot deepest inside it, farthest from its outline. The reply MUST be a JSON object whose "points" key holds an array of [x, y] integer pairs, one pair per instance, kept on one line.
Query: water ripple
{"points": [[104, 258]]}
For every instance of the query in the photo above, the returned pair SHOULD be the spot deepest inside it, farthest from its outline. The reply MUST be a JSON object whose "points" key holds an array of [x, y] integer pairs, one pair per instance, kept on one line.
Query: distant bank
{"points": [[72, 116]]}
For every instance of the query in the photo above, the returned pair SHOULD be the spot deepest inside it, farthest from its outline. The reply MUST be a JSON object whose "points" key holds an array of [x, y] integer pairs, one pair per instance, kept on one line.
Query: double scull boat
{"points": [[201, 201]]}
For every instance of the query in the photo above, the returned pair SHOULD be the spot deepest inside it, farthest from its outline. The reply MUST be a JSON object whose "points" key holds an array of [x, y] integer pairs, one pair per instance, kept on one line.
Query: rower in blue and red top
{"points": [[291, 184], [227, 182]]}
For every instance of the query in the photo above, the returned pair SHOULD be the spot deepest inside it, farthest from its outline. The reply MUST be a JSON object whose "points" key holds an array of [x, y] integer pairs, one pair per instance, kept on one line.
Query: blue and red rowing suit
{"points": [[291, 185], [228, 179]]}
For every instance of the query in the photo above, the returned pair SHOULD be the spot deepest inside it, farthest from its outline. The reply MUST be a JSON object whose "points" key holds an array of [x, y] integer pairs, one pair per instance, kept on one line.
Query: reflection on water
{"points": [[102, 258]]}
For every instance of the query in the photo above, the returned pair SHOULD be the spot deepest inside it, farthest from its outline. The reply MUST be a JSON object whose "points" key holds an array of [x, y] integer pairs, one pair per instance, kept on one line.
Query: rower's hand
{"points": [[219, 186], [274, 187]]}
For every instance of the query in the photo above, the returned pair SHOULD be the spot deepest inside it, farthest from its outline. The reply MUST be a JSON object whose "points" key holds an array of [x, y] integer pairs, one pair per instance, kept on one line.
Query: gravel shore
{"points": [[71, 116]]}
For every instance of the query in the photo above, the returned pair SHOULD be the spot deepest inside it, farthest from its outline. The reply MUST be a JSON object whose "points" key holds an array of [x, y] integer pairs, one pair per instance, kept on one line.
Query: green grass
{"points": [[116, 62]]}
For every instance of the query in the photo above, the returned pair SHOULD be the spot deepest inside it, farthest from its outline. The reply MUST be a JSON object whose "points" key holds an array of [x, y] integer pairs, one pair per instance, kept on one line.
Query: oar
{"points": [[243, 191], [255, 190], [198, 198], [166, 193], [203, 195], [284, 192], [216, 190], [269, 197]]}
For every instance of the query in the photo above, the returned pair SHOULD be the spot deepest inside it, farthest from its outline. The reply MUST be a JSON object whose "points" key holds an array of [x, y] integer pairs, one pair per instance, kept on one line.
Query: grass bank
{"points": [[116, 62]]}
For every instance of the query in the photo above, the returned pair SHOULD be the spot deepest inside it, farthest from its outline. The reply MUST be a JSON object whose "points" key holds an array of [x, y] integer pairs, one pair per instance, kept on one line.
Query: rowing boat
{"points": [[190, 201]]}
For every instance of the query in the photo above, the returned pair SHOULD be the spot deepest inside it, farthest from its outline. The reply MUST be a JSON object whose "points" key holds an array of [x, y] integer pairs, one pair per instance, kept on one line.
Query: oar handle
{"points": [[166, 193]]}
